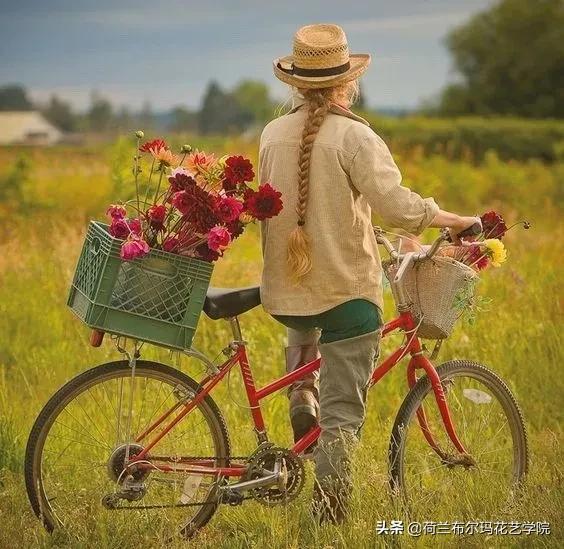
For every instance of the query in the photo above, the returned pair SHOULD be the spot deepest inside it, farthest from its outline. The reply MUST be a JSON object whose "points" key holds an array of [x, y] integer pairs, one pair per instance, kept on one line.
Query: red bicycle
{"points": [[143, 437]]}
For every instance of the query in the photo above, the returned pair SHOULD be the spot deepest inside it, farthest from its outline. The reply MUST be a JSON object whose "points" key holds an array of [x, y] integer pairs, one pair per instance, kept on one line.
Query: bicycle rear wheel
{"points": [[489, 423], [77, 448]]}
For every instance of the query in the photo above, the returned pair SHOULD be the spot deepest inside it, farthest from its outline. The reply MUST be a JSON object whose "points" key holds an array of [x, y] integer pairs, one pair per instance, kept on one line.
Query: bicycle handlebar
{"points": [[445, 236]]}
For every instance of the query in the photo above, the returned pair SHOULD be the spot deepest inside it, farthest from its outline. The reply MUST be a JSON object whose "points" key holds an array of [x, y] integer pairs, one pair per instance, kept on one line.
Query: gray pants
{"points": [[343, 379]]}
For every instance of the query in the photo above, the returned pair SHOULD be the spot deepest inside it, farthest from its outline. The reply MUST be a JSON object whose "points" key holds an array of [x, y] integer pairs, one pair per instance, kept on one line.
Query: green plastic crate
{"points": [[157, 298]]}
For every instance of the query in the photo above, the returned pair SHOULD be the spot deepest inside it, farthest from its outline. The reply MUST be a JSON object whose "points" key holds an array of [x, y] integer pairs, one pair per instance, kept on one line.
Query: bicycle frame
{"points": [[412, 346]]}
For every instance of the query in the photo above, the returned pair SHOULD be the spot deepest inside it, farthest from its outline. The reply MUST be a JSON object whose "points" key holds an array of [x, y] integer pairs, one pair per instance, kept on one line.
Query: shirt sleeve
{"points": [[375, 175]]}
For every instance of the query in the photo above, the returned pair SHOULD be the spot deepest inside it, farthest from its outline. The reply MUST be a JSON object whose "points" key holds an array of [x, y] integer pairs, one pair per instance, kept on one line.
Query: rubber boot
{"points": [[303, 394]]}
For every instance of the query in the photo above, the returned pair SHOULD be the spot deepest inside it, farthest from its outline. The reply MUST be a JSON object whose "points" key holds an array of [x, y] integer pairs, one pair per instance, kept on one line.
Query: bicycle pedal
{"points": [[232, 497]]}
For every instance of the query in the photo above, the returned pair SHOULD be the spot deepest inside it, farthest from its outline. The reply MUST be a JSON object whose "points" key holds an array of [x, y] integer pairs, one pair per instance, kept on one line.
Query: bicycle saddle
{"points": [[228, 302]]}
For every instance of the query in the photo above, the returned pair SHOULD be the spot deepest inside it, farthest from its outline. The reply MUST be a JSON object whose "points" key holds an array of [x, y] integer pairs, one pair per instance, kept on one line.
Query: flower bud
{"points": [[186, 149], [140, 134]]}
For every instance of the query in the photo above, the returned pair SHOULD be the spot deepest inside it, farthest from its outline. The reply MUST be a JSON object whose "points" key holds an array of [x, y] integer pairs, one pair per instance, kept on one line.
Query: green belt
{"points": [[351, 319]]}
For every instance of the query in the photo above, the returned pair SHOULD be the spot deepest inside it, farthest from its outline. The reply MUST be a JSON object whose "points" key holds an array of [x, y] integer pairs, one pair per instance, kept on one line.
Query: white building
{"points": [[27, 128]]}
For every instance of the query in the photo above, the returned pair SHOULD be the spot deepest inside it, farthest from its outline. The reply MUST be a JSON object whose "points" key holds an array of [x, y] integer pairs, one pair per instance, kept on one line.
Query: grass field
{"points": [[47, 196]]}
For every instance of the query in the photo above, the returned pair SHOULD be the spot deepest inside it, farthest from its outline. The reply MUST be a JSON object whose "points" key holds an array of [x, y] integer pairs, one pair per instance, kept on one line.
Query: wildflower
{"points": [[496, 250], [156, 215], [237, 170], [218, 238], [264, 203], [116, 211], [154, 145], [229, 209], [133, 248]]}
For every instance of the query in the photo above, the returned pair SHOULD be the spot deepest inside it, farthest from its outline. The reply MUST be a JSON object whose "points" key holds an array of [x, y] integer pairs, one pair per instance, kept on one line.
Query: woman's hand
{"points": [[454, 222]]}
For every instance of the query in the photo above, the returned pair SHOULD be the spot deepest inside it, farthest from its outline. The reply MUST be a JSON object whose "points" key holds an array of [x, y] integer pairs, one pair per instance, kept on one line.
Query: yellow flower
{"points": [[246, 218], [496, 250]]}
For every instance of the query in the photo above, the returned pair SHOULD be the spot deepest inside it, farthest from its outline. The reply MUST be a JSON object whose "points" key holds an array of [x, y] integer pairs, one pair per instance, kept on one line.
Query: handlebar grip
{"points": [[473, 230]]}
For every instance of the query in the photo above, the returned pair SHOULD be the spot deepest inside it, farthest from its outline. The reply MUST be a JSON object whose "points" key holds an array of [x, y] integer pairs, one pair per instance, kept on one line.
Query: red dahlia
{"points": [[198, 208], [156, 215], [493, 225], [203, 252], [264, 203], [155, 144], [237, 170], [476, 258], [180, 182]]}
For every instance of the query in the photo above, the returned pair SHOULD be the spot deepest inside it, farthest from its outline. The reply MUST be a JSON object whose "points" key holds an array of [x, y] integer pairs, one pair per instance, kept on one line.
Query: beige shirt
{"points": [[352, 177]]}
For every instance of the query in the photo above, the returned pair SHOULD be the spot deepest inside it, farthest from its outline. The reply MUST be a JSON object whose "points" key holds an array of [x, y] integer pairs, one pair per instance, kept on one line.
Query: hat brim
{"points": [[359, 63]]}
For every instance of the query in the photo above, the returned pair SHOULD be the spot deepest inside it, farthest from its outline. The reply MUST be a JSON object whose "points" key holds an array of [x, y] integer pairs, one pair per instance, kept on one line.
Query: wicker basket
{"points": [[157, 298], [437, 291]]}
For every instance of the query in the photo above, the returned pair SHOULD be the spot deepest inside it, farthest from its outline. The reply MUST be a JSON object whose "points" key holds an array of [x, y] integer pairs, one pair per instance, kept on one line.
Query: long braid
{"points": [[299, 258]]}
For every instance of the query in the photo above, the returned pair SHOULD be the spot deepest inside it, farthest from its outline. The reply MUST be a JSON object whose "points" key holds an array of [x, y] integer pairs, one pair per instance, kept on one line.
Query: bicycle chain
{"points": [[193, 504]]}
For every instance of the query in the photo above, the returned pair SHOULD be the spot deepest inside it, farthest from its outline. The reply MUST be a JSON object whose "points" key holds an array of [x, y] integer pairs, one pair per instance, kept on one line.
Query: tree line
{"points": [[248, 104]]}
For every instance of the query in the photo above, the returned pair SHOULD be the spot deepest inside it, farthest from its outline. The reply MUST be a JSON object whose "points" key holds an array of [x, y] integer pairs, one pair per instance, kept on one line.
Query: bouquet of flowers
{"points": [[195, 204], [487, 248]]}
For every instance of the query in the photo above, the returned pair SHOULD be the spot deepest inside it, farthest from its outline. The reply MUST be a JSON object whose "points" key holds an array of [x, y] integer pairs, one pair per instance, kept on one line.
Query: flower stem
{"points": [[137, 173], [158, 186]]}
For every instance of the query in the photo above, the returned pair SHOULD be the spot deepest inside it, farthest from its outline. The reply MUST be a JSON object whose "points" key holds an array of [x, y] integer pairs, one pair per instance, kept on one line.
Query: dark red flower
{"points": [[238, 170], [198, 208], [236, 228], [155, 144], [204, 253], [135, 226], [122, 228], [181, 181], [119, 228], [476, 258], [171, 243], [493, 225], [229, 209], [264, 203], [156, 215]]}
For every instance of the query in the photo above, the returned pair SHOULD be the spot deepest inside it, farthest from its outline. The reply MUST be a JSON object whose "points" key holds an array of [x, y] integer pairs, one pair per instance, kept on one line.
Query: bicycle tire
{"points": [[75, 387], [422, 388]]}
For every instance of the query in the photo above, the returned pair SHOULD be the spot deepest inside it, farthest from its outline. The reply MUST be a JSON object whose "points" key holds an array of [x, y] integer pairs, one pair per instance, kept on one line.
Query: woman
{"points": [[322, 273]]}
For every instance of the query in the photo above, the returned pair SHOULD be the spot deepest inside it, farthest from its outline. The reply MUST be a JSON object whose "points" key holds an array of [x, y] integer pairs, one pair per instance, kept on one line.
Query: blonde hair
{"points": [[318, 102]]}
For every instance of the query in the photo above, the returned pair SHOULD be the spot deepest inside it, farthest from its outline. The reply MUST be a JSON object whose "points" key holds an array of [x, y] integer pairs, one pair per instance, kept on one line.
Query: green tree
{"points": [[221, 113], [60, 113], [511, 61], [183, 119], [100, 114], [254, 97], [13, 97]]}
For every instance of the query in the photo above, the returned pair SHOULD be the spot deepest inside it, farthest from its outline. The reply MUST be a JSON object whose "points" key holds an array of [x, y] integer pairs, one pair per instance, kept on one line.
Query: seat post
{"points": [[236, 329]]}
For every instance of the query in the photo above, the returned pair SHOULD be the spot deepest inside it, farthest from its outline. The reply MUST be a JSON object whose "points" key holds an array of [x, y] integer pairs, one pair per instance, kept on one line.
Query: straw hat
{"points": [[320, 59]]}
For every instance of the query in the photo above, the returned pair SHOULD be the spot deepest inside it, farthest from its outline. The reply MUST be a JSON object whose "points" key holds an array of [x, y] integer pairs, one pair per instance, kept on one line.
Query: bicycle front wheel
{"points": [[80, 442], [488, 422]]}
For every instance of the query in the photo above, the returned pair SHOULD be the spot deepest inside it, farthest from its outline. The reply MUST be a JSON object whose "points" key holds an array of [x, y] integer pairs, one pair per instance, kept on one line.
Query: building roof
{"points": [[26, 126]]}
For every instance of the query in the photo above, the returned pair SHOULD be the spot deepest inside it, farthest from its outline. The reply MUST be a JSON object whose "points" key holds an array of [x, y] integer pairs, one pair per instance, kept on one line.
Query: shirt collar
{"points": [[335, 109]]}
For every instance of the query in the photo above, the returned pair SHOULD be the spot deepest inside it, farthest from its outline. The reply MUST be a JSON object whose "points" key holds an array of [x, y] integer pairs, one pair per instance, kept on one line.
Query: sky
{"points": [[166, 51]]}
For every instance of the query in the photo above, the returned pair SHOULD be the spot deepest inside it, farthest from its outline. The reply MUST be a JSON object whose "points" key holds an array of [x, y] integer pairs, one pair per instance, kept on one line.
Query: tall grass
{"points": [[42, 346]]}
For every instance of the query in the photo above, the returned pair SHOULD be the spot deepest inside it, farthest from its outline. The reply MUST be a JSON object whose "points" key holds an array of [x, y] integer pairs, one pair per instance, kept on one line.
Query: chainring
{"points": [[293, 475]]}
